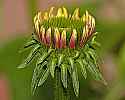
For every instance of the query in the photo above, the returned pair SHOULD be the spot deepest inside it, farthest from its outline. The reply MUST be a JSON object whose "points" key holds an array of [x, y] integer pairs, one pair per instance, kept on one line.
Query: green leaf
{"points": [[53, 66], [75, 81], [82, 68], [44, 76], [32, 54], [44, 56], [64, 75], [37, 75]]}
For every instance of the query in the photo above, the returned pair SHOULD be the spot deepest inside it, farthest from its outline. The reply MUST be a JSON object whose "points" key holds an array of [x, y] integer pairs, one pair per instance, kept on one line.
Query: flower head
{"points": [[63, 27], [64, 41]]}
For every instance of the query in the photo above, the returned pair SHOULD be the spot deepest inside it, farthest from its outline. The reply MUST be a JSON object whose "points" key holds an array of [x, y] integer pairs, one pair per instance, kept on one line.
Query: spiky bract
{"points": [[63, 41]]}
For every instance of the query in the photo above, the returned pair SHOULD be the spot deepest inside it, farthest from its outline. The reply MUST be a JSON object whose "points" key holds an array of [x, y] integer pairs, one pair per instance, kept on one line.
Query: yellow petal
{"points": [[76, 14], [93, 22], [59, 12], [51, 12], [63, 39], [84, 31], [65, 13], [48, 36], [63, 35], [75, 34], [48, 33], [87, 16], [46, 16], [35, 19], [83, 18], [57, 34], [73, 39], [39, 16], [57, 38], [42, 31], [37, 26]]}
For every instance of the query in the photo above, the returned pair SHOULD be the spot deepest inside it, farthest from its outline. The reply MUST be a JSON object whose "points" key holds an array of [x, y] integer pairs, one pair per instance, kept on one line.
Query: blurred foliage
{"points": [[32, 8], [111, 36], [1, 1]]}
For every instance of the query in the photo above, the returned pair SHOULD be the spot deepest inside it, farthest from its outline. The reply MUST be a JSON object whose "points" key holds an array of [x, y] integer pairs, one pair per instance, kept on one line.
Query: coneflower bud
{"points": [[64, 43]]}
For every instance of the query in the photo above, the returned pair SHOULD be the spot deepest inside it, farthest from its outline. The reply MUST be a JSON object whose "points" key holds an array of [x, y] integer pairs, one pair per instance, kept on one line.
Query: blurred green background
{"points": [[16, 19]]}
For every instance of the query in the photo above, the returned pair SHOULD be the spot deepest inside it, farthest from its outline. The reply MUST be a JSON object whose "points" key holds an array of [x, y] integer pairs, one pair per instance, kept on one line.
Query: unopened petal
{"points": [[63, 39], [42, 32], [57, 38], [48, 36], [73, 39]]}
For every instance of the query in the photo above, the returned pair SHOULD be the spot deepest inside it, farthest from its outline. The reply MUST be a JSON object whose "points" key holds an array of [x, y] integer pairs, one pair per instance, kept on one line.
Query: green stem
{"points": [[60, 92]]}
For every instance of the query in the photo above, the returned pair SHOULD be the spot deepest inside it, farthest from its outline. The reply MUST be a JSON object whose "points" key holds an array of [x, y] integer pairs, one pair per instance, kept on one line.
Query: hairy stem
{"points": [[60, 92]]}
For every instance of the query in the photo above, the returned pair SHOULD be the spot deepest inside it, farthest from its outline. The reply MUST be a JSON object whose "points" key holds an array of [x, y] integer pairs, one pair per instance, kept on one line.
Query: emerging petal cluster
{"points": [[62, 29]]}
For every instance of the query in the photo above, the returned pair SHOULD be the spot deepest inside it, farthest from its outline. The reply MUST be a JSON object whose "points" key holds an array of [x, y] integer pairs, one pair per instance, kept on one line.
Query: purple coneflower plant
{"points": [[63, 43]]}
